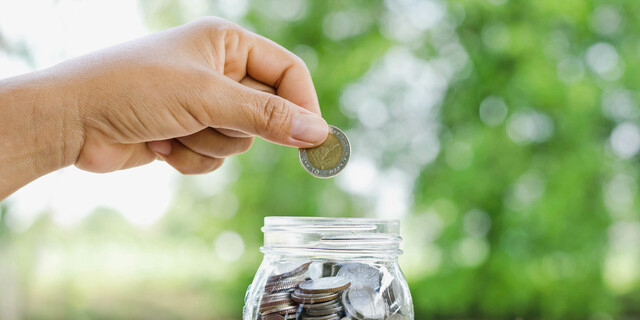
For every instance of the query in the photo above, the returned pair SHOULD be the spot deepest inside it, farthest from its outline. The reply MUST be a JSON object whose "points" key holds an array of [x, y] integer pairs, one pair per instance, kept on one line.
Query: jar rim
{"points": [[288, 219], [311, 224], [331, 236]]}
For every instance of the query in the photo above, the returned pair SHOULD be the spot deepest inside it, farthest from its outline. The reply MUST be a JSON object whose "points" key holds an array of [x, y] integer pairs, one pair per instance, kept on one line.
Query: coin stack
{"points": [[320, 298], [340, 291], [276, 301]]}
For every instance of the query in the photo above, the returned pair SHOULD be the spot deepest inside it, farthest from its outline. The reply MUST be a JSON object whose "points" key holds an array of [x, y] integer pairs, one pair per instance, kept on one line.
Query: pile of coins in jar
{"points": [[324, 290]]}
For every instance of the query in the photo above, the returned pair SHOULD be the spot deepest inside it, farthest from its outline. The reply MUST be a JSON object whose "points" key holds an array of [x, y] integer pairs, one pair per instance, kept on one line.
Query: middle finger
{"points": [[212, 143]]}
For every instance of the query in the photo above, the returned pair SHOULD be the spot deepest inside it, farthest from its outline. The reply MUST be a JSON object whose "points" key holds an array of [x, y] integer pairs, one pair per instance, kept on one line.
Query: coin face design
{"points": [[298, 271], [329, 158], [361, 274], [325, 285], [327, 155]]}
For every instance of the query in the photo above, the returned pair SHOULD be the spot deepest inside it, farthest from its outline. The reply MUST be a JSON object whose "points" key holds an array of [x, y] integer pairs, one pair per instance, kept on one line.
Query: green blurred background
{"points": [[504, 135]]}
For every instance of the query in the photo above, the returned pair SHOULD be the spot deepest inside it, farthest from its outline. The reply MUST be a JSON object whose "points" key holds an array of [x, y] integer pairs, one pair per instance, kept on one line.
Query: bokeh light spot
{"points": [[529, 188], [233, 9], [373, 113], [619, 195], [602, 58], [229, 246], [289, 10], [476, 223], [529, 126], [496, 36], [606, 20], [344, 24], [621, 271], [359, 176], [620, 105], [471, 252], [492, 111], [426, 227], [308, 55], [625, 140]]}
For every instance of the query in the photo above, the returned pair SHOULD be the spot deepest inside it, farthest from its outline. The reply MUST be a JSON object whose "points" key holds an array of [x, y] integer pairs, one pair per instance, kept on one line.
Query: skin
{"points": [[190, 96]]}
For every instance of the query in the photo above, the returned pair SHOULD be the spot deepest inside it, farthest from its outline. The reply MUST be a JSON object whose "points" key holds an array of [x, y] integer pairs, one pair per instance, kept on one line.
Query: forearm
{"points": [[36, 123]]}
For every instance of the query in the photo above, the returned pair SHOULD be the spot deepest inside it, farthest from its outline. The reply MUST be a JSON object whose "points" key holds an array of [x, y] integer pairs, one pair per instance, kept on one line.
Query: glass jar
{"points": [[329, 269]]}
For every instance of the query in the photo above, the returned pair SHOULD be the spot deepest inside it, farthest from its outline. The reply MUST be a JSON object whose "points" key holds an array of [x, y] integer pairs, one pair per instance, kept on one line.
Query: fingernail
{"points": [[309, 128], [162, 147]]}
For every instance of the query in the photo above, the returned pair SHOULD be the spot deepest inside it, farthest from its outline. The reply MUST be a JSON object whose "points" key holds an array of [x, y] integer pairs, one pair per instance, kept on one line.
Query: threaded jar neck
{"points": [[332, 237]]}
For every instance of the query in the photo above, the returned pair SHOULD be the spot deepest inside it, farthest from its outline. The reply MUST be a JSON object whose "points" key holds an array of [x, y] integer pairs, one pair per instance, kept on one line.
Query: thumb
{"points": [[271, 117]]}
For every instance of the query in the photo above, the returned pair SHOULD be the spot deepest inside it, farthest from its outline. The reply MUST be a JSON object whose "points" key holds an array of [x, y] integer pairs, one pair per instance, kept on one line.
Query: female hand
{"points": [[191, 95]]}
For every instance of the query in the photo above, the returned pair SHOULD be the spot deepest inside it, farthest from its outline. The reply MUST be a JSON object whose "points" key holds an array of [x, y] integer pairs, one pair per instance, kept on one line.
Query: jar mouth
{"points": [[311, 224], [323, 236]]}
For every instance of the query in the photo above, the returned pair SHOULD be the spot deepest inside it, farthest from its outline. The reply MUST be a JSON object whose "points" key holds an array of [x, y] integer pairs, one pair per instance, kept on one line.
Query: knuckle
{"points": [[229, 148], [186, 170], [300, 65], [247, 143], [215, 164], [202, 165], [275, 114], [299, 62], [207, 164], [211, 22], [243, 145], [216, 25]]}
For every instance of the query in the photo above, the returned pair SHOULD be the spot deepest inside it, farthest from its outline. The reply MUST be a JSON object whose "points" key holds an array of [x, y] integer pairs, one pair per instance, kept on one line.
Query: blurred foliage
{"points": [[519, 215]]}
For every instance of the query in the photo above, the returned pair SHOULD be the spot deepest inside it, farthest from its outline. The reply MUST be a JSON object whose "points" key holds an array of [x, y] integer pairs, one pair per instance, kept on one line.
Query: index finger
{"points": [[277, 67]]}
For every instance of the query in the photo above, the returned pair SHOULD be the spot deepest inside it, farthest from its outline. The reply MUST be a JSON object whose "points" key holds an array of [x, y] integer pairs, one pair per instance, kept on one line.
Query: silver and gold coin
{"points": [[361, 274], [364, 303], [324, 285], [355, 293], [329, 158]]}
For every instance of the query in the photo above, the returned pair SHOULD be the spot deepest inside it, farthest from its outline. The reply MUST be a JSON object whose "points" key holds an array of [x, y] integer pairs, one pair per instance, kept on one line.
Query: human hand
{"points": [[186, 95], [181, 90]]}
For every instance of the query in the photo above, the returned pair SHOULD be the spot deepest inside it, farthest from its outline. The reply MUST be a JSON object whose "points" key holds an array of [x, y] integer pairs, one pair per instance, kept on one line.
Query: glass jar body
{"points": [[345, 281]]}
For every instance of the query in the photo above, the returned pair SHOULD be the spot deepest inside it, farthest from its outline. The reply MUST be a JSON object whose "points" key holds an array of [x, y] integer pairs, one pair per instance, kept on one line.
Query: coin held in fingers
{"points": [[329, 158]]}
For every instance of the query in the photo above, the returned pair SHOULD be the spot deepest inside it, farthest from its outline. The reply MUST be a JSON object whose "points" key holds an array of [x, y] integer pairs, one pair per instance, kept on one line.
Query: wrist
{"points": [[39, 128]]}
